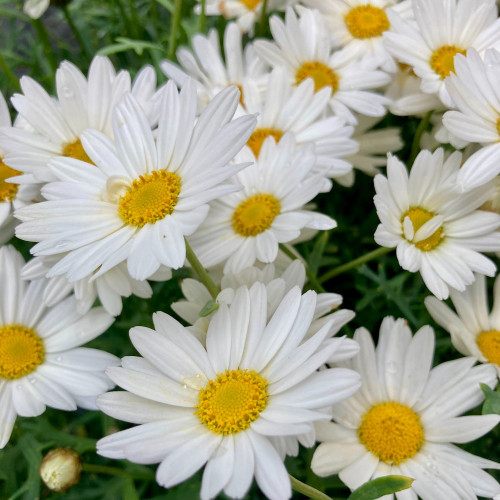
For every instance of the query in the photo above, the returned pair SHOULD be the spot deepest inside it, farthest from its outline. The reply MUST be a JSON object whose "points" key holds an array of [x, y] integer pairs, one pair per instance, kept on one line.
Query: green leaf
{"points": [[211, 306], [492, 402], [381, 486], [314, 259]]}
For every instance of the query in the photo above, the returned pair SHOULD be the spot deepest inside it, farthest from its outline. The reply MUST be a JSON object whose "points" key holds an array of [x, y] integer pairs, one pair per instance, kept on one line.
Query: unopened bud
{"points": [[60, 469]]}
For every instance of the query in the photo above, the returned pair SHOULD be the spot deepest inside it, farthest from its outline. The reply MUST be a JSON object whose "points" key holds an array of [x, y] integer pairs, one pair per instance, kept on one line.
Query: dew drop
{"points": [[67, 92], [392, 367]]}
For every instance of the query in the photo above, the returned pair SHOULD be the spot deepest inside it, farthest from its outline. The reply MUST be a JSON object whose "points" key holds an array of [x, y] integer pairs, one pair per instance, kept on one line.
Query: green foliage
{"points": [[380, 487]]}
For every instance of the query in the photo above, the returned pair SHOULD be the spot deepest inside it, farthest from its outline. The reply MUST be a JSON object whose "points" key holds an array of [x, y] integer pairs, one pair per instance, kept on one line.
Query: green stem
{"points": [[422, 127], [263, 18], [201, 271], [43, 36], [126, 21], [355, 263], [203, 16], [8, 72], [310, 276], [307, 490], [75, 31], [135, 18], [174, 29], [114, 471]]}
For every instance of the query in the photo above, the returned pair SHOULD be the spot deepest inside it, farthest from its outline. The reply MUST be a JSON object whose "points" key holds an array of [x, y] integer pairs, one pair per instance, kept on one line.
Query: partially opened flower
{"points": [[35, 8], [437, 230], [149, 191], [41, 362], [222, 405], [406, 415], [249, 225], [473, 331]]}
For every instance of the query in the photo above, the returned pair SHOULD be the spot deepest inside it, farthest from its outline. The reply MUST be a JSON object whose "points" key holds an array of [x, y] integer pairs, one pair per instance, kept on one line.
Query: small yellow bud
{"points": [[60, 469]]}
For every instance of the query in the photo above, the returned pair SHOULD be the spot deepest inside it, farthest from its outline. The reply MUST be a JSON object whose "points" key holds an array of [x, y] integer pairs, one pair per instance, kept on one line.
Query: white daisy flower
{"points": [[474, 91], [277, 286], [300, 110], [360, 24], [473, 331], [108, 287], [406, 95], [441, 30], [35, 8], [248, 225], [436, 230], [405, 417], [57, 124], [304, 48], [148, 192], [222, 405], [373, 148], [245, 12], [211, 71], [12, 195], [41, 363]]}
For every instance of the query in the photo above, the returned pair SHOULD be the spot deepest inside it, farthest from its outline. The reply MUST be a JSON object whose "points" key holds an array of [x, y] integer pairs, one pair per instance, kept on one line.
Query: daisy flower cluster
{"points": [[191, 218]]}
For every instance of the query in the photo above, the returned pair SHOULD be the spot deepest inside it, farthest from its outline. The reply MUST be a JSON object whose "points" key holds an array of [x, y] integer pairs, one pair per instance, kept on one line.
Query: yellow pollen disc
{"points": [[8, 190], [259, 136], [419, 217], [392, 432], [21, 351], [322, 75], [75, 150], [498, 126], [232, 402], [442, 60], [366, 21], [489, 343], [150, 198], [251, 4], [256, 214]]}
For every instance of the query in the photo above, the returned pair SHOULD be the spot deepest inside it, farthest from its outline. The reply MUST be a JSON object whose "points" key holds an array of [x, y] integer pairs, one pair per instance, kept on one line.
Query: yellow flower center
{"points": [[322, 75], [259, 136], [251, 4], [75, 150], [256, 214], [232, 402], [442, 60], [150, 198], [489, 343], [392, 432], [366, 21], [498, 126], [8, 190], [419, 217], [21, 351]]}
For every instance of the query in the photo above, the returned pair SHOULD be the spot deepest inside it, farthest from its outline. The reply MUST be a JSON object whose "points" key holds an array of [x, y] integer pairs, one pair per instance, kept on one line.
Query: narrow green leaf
{"points": [[314, 259], [381, 486], [492, 402], [211, 306]]}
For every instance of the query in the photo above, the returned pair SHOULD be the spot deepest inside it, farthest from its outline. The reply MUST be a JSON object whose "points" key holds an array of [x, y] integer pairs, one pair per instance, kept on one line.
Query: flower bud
{"points": [[60, 469]]}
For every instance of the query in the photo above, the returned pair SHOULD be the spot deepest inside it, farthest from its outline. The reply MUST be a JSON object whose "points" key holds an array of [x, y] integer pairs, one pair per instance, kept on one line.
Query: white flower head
{"points": [[406, 415], [211, 71], [12, 195], [436, 230], [56, 125], [473, 331], [222, 405], [302, 46], [108, 287], [245, 12], [284, 108], [270, 209], [360, 25], [474, 91], [439, 31], [148, 192], [41, 362]]}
